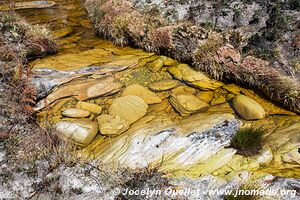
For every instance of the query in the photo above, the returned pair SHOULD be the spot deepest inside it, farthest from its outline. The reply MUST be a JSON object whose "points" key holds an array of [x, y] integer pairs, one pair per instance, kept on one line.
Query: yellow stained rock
{"points": [[186, 73], [156, 65], [27, 5], [86, 23], [183, 90], [90, 107], [72, 61], [168, 61], [248, 108], [62, 32], [164, 85], [75, 113], [137, 90], [130, 108], [206, 96], [220, 108], [188, 104], [235, 89], [159, 107], [229, 96], [112, 125], [218, 100], [83, 91]]}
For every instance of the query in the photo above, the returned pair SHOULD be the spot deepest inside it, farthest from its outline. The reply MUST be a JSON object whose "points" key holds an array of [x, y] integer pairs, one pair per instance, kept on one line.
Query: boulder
{"points": [[112, 125], [188, 104], [137, 90], [186, 73], [164, 85], [130, 108], [81, 132], [248, 108], [90, 107], [75, 113], [83, 91]]}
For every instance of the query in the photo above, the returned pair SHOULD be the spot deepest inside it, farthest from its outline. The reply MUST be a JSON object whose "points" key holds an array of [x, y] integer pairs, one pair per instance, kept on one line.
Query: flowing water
{"points": [[192, 146]]}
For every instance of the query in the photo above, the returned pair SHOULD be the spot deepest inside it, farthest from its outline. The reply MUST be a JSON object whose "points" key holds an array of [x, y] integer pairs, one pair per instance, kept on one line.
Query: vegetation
{"points": [[20, 42], [248, 141]]}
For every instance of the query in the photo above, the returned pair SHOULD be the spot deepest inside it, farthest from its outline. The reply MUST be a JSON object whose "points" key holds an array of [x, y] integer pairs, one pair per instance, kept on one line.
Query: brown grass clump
{"points": [[161, 38]]}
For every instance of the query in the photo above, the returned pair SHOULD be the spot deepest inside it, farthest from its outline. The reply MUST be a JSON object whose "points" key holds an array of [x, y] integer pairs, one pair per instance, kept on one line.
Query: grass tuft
{"points": [[248, 141]]}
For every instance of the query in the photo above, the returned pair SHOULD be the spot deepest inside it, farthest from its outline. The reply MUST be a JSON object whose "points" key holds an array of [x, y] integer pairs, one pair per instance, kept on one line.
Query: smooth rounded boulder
{"points": [[81, 132], [248, 108]]}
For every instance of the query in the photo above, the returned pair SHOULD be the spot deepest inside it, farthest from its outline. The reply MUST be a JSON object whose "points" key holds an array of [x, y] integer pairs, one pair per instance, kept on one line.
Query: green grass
{"points": [[248, 141]]}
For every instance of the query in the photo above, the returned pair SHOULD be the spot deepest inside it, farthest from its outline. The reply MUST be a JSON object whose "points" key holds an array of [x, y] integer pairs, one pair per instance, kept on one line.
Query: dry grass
{"points": [[19, 133]]}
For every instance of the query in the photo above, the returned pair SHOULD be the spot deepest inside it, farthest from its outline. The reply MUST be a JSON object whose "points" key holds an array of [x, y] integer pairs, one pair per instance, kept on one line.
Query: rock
{"points": [[247, 108], [206, 96], [130, 108], [156, 65], [75, 113], [81, 132], [73, 61], [188, 104], [62, 32], [220, 108], [86, 23], [219, 99], [230, 96], [28, 5], [235, 89], [167, 61], [186, 73], [44, 80], [137, 90], [183, 90], [163, 85], [83, 91], [159, 107], [292, 156], [90, 107], [112, 125], [186, 145]]}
